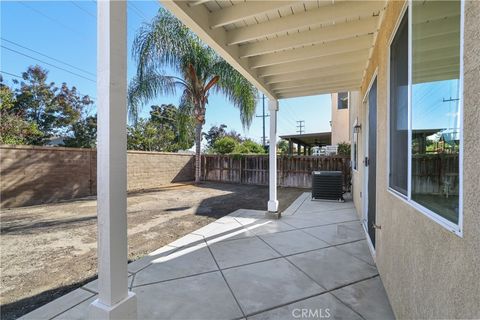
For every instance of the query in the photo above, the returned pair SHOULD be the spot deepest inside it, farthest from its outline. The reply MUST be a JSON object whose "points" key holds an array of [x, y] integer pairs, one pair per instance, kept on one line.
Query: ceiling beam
{"points": [[436, 71], [197, 3], [437, 43], [426, 64], [315, 36], [312, 87], [329, 48], [356, 67], [434, 10], [196, 19], [318, 91], [314, 63], [317, 86], [337, 12], [438, 76], [437, 28], [319, 81], [245, 10]]}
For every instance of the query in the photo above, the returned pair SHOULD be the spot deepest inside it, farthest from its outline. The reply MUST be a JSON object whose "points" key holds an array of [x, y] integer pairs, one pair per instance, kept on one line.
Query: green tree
{"points": [[53, 110], [13, 128], [344, 148], [282, 146], [249, 147], [167, 43], [146, 136], [171, 122], [161, 132], [214, 134], [225, 145], [217, 132], [84, 134]]}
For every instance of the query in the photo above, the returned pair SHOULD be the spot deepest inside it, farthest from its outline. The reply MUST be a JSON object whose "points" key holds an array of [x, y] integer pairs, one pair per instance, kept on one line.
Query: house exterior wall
{"points": [[339, 124], [428, 272], [357, 174]]}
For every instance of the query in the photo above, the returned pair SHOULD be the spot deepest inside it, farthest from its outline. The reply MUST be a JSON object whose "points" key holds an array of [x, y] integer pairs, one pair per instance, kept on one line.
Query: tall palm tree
{"points": [[167, 43]]}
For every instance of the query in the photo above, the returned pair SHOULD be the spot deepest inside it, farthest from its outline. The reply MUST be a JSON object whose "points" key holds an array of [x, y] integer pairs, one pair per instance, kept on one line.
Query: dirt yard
{"points": [[48, 250]]}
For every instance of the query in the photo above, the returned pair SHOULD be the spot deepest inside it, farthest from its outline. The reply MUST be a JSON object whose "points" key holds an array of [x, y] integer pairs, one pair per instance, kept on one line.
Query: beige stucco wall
{"points": [[357, 117], [340, 121], [428, 272]]}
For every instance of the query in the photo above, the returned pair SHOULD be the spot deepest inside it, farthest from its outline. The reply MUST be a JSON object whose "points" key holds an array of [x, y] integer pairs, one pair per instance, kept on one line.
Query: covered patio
{"points": [[286, 49], [307, 141], [315, 261]]}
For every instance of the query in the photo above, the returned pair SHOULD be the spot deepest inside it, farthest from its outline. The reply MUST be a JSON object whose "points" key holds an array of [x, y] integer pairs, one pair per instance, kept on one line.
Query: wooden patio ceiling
{"points": [[288, 48]]}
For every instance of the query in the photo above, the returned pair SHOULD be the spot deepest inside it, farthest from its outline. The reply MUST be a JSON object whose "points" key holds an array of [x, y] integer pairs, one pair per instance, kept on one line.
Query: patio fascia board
{"points": [[197, 19], [318, 91]]}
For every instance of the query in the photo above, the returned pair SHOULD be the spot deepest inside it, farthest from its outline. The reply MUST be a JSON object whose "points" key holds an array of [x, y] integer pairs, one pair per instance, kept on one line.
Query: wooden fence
{"points": [[293, 171], [435, 173]]}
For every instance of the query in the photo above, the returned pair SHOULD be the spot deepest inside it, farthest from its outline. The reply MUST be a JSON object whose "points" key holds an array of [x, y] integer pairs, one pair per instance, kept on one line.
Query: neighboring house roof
{"points": [[448, 135], [310, 139], [55, 141]]}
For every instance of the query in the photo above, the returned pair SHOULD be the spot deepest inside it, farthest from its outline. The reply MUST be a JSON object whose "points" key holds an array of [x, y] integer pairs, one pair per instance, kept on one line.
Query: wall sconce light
{"points": [[357, 128]]}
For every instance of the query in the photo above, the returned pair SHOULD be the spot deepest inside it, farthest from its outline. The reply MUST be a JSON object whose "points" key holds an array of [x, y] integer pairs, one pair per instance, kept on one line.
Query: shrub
{"points": [[225, 145], [344, 149], [249, 146]]}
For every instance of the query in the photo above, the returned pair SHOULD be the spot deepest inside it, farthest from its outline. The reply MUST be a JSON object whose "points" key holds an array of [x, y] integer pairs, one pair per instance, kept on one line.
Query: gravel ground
{"points": [[50, 249]]}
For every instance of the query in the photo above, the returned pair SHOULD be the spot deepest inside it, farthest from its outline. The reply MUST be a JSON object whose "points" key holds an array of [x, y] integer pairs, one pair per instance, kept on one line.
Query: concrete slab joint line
{"points": [[265, 273]]}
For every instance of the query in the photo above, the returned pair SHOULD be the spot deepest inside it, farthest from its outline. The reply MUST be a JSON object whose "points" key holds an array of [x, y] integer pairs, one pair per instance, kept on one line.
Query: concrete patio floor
{"points": [[314, 262]]}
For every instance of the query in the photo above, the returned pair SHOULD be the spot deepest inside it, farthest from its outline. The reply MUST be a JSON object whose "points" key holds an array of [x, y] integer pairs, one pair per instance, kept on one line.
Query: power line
{"points": [[137, 10], [11, 74], [83, 9], [20, 77], [49, 18], [292, 115], [47, 56], [52, 65]]}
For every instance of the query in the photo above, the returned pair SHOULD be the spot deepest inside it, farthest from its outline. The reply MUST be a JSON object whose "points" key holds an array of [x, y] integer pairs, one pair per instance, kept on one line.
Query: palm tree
{"points": [[167, 43]]}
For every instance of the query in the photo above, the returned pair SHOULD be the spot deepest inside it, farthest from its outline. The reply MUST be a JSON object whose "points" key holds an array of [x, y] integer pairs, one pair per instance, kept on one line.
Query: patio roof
{"points": [[288, 48], [310, 139]]}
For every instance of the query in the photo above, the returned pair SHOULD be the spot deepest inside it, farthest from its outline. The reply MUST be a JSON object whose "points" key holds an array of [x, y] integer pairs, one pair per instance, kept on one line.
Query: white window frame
{"points": [[454, 228]]}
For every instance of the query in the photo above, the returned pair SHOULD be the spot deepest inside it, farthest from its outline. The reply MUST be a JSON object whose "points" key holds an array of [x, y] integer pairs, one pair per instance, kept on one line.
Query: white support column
{"points": [[272, 158], [114, 300]]}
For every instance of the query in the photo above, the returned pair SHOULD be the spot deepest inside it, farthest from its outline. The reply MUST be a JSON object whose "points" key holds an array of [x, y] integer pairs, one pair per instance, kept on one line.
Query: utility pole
{"points": [[263, 116], [301, 126]]}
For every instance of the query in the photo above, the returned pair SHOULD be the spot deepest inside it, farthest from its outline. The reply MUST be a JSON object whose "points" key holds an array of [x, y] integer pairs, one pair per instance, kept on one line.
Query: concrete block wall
{"points": [[149, 170], [31, 175]]}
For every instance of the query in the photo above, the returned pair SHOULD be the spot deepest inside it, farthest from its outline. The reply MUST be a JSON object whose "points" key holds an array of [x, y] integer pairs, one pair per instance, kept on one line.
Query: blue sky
{"points": [[66, 31]]}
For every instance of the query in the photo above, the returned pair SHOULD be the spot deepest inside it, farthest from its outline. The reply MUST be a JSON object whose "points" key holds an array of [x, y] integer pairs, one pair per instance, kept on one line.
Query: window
{"points": [[342, 102], [425, 110], [399, 109], [435, 132]]}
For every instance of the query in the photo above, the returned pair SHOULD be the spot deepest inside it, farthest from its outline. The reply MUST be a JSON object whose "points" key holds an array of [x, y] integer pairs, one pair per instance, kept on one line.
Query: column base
{"points": [[272, 215], [125, 309], [272, 206]]}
